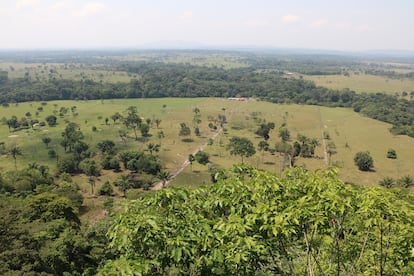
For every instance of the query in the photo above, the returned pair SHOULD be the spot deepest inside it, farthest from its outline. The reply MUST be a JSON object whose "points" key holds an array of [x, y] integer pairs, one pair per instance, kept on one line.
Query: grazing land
{"points": [[364, 83], [350, 131]]}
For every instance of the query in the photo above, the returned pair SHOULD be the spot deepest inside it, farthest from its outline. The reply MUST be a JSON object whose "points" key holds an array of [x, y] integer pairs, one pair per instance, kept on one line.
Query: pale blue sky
{"points": [[315, 24]]}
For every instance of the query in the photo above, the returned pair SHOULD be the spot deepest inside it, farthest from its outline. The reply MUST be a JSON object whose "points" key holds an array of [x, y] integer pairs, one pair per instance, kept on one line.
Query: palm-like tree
{"points": [[191, 159], [15, 151], [406, 181], [153, 148], [164, 176], [123, 183]]}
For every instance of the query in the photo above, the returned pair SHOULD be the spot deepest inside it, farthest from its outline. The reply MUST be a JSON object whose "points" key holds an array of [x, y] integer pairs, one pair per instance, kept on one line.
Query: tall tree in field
{"points": [[160, 135], [241, 146], [263, 146], [116, 117], [330, 150], [46, 140], [164, 176], [15, 151], [191, 159], [71, 135], [133, 120], [124, 183], [184, 130]]}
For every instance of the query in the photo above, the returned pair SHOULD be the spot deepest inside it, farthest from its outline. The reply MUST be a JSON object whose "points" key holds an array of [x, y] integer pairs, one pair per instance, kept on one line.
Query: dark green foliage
{"points": [[133, 120], [144, 128], [392, 154], [67, 164], [51, 153], [90, 167], [405, 181], [387, 182], [51, 120], [284, 134], [184, 130], [70, 136], [46, 140], [106, 146], [123, 183], [106, 189], [202, 157], [127, 156], [364, 161], [241, 146], [71, 192], [264, 130], [146, 163], [110, 162]]}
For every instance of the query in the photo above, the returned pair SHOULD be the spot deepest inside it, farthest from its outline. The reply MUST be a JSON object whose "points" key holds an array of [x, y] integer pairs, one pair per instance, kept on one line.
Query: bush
{"points": [[106, 189], [202, 157], [392, 154], [52, 153], [364, 161], [387, 182]]}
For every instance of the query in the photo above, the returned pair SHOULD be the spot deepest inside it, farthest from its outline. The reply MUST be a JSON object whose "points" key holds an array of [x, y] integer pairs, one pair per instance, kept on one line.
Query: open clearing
{"points": [[348, 130], [364, 83]]}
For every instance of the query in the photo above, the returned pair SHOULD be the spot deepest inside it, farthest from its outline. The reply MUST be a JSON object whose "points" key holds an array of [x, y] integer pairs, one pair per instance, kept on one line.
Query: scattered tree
{"points": [[46, 140], [164, 176], [15, 151], [241, 146], [364, 160], [191, 159], [124, 183], [184, 130], [51, 120], [202, 157]]}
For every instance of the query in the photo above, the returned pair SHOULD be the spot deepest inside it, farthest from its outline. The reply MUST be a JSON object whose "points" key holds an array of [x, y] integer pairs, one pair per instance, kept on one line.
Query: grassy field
{"points": [[364, 83], [63, 71], [348, 130]]}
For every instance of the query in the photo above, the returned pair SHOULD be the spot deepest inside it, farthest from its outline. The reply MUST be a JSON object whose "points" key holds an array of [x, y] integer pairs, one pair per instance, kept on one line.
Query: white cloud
{"points": [[187, 15], [318, 23], [23, 4], [290, 18], [91, 8], [61, 5]]}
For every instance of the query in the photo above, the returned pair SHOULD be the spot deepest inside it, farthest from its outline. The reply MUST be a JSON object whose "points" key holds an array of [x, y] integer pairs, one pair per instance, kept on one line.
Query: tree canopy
{"points": [[254, 222]]}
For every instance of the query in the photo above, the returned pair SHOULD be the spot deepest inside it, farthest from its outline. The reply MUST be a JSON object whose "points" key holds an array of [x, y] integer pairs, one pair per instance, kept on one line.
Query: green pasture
{"points": [[364, 83], [348, 130], [48, 71]]}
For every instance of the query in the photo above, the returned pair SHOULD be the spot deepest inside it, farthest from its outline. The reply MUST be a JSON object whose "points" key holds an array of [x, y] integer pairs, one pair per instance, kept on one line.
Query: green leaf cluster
{"points": [[256, 223]]}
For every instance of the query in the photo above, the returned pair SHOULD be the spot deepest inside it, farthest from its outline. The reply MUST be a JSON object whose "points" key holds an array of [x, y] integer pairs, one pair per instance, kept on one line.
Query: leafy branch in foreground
{"points": [[251, 221]]}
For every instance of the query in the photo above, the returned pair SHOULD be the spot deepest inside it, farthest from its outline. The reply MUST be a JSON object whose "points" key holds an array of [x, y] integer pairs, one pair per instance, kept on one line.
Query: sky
{"points": [[350, 25]]}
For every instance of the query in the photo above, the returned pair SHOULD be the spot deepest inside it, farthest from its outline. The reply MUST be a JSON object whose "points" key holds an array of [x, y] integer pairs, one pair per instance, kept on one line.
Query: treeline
{"points": [[182, 80]]}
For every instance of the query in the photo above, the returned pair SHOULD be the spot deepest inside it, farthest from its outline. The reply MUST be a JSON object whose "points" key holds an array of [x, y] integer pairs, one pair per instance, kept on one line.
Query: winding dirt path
{"points": [[179, 169]]}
